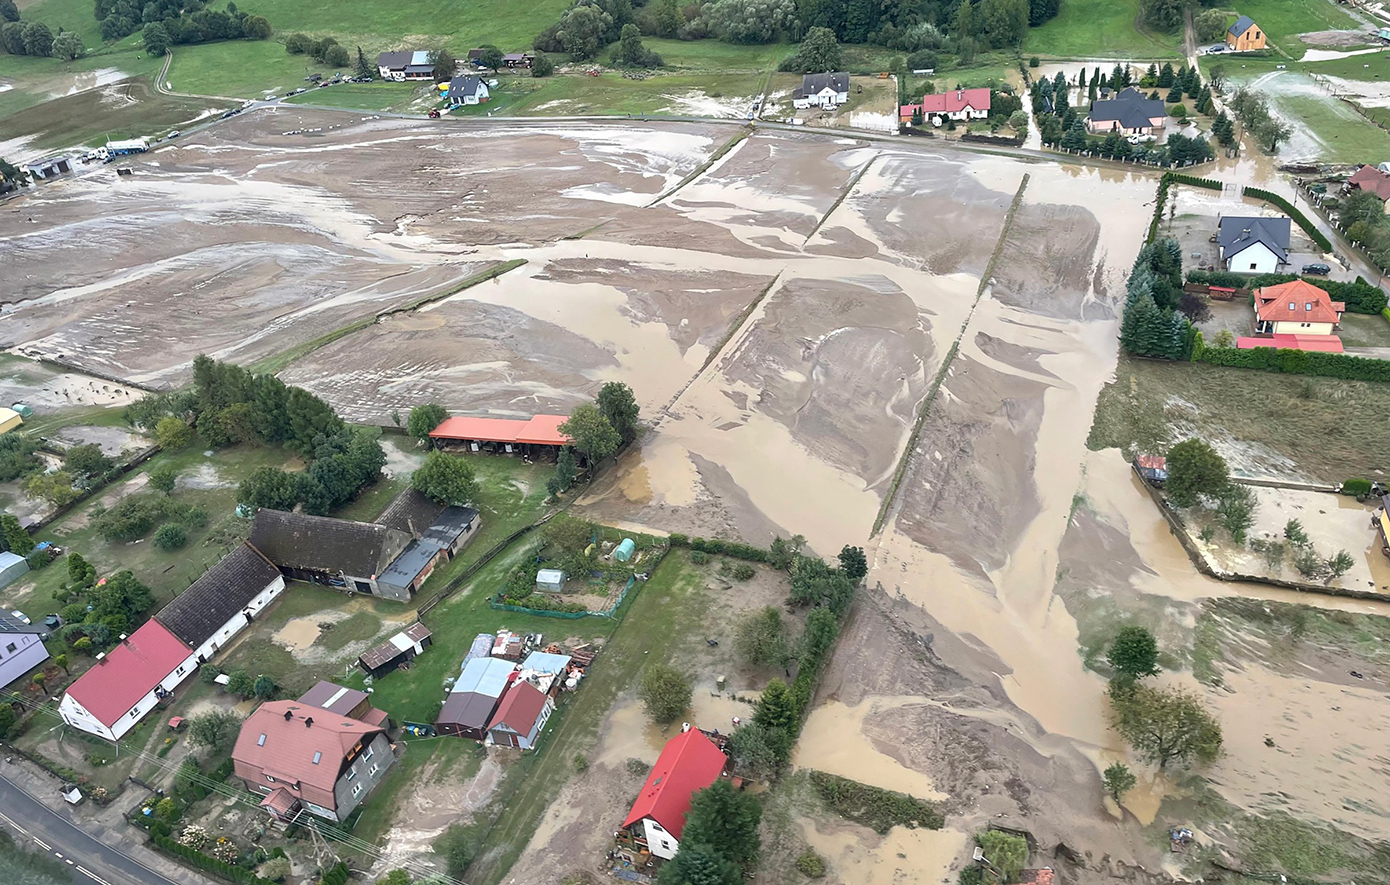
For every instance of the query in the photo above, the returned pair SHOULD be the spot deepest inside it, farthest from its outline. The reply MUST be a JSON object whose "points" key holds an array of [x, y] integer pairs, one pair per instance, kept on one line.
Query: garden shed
{"points": [[551, 580], [625, 550]]}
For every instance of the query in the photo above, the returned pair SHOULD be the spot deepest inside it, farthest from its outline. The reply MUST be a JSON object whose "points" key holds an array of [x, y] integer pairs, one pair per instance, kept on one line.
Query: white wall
{"points": [[77, 716], [29, 653], [1255, 258], [237, 622], [661, 843]]}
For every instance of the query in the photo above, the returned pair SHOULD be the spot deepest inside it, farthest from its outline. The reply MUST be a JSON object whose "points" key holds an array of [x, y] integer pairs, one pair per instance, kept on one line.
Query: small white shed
{"points": [[551, 580], [12, 567]]}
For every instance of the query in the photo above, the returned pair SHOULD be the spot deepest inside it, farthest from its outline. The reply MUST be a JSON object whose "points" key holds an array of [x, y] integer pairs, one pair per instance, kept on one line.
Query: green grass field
{"points": [[1100, 29], [240, 68], [70, 15]]}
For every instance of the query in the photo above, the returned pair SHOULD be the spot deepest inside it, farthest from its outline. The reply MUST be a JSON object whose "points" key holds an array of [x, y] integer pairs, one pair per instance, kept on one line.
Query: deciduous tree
{"points": [[1164, 725], [17, 539], [591, 433], [1194, 469], [665, 692], [172, 433], [760, 638], [1133, 653], [68, 46], [616, 402], [1118, 781], [213, 729], [446, 479], [491, 58], [853, 563]]}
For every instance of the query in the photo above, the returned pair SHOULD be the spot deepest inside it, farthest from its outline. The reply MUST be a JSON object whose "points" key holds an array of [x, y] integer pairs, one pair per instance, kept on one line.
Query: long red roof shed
{"points": [[541, 430], [688, 763], [129, 671]]}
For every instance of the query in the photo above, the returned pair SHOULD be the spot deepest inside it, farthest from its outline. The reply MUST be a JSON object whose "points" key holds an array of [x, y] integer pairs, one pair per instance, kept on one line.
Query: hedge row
{"points": [[207, 862], [1299, 218], [1210, 184], [1298, 362], [728, 548], [878, 809]]}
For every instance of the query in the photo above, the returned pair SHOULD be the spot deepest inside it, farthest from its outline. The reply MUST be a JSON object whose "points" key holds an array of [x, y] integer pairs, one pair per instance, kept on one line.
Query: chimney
{"points": [[960, 95], [308, 721], [288, 715]]}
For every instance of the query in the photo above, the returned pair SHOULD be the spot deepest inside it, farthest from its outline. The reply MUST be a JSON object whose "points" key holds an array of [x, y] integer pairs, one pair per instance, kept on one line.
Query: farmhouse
{"points": [[405, 64], [1128, 113], [128, 682], [399, 649], [1296, 308], [531, 438], [961, 105], [474, 697], [334, 552], [824, 91], [1253, 245], [1372, 180], [306, 758], [468, 89], [520, 717], [222, 602], [21, 647], [688, 763], [1245, 34]]}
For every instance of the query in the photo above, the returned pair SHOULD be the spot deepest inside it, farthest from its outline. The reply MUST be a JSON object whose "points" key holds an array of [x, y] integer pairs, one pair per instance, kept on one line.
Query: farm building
{"points": [[688, 763], [399, 649], [48, 169], [532, 438], [220, 604], [520, 717], [473, 700], [9, 420], [1371, 180], [21, 646], [405, 64], [333, 552], [342, 701], [128, 682], [305, 758], [1253, 245], [437, 534]]}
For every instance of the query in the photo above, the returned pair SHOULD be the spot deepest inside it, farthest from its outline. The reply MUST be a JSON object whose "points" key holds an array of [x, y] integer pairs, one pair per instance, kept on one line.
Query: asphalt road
{"points": [[94, 862]]}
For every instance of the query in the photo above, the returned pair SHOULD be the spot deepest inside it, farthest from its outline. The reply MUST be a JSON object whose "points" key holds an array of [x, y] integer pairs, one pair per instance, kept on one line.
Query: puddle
{"points": [[630, 733], [298, 634], [903, 856], [833, 741]]}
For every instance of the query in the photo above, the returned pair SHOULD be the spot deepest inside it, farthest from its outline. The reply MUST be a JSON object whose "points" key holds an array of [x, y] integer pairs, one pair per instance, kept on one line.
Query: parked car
{"points": [[1321, 270], [229, 114], [174, 134], [19, 616], [1216, 47], [313, 78]]}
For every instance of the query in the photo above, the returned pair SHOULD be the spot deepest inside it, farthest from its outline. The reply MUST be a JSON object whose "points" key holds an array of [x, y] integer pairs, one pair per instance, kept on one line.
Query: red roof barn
{"points": [[688, 763]]}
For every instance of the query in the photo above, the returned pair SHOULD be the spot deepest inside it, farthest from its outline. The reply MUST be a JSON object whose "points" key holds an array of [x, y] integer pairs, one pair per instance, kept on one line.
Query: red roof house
{"points": [[1296, 308], [688, 763], [109, 699], [957, 104], [541, 430], [1369, 178], [520, 717]]}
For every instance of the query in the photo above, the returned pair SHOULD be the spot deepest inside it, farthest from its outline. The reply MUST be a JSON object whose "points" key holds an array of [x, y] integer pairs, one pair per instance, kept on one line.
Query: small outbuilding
{"points": [[471, 704], [551, 580], [520, 717], [625, 550], [1153, 468], [12, 568], [9, 420], [399, 649]]}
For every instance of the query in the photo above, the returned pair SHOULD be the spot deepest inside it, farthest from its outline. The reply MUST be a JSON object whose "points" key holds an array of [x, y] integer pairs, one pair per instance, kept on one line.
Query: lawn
{"points": [[1254, 411], [1101, 29], [1360, 330], [1282, 20], [455, 759], [376, 96], [610, 93], [91, 117], [240, 68], [69, 15]]}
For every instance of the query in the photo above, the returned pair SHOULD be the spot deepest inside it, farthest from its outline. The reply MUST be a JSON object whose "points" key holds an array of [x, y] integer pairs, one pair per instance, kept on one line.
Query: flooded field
{"points": [[781, 315]]}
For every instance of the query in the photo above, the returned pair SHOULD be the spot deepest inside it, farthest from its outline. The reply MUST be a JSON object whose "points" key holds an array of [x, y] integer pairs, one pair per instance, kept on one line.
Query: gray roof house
{"points": [[1129, 112], [405, 64], [21, 647], [437, 533], [468, 89], [1242, 24], [1254, 245], [829, 90]]}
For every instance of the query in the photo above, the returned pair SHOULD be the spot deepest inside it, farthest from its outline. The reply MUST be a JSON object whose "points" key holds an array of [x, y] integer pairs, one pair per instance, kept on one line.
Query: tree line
{"points": [[172, 22], [34, 38], [958, 28], [1152, 324]]}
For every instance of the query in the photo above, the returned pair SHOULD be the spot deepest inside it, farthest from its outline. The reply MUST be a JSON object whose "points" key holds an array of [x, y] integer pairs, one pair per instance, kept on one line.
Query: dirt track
{"points": [[780, 345]]}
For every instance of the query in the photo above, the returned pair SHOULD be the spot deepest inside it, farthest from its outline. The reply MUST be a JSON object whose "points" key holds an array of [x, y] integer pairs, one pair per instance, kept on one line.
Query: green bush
{"points": [[878, 809], [1299, 362], [744, 571], [699, 557], [1357, 488], [810, 864], [170, 536], [1385, 312], [1359, 296], [207, 863], [728, 548], [1210, 184], [1290, 210]]}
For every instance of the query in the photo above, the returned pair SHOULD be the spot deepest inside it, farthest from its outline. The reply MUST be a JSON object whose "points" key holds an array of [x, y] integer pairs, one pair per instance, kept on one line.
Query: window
{"points": [[352, 773], [367, 756], [11, 647], [665, 844], [260, 741], [357, 791], [1293, 306], [318, 756], [1252, 265], [269, 778], [1307, 305], [375, 769], [179, 671]]}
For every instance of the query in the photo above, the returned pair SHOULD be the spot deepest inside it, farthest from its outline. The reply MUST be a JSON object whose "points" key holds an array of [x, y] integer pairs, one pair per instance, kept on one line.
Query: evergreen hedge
{"points": [[207, 862], [1299, 362], [1288, 208], [1359, 296], [1210, 184], [714, 545]]}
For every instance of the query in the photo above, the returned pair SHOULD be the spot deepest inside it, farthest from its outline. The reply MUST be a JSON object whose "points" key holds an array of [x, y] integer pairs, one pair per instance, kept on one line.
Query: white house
{"points": [[825, 91], [467, 89], [1254, 245], [127, 682], [961, 105], [21, 648], [223, 601], [405, 64]]}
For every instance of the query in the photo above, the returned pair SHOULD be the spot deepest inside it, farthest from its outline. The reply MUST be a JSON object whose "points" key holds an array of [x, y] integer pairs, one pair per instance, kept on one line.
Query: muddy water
{"points": [[298, 634], [833, 741], [630, 734], [902, 857]]}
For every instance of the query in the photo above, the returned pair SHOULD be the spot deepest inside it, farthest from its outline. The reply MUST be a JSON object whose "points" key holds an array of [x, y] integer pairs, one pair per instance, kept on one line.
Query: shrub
{"points": [[1357, 488], [743, 571], [810, 864], [1034, 62], [1298, 362], [665, 692], [878, 809], [1006, 852], [170, 536], [699, 557]]}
